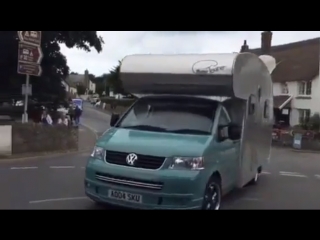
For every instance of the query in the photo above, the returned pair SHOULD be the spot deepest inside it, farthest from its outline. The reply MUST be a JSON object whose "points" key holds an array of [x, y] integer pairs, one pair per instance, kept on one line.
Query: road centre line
{"points": [[58, 200], [61, 167], [292, 174], [22, 168]]}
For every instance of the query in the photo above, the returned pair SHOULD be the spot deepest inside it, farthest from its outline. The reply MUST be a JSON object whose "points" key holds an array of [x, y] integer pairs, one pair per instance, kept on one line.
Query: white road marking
{"points": [[92, 129], [266, 173], [82, 167], [23, 168], [292, 174], [317, 176], [61, 167], [58, 200]]}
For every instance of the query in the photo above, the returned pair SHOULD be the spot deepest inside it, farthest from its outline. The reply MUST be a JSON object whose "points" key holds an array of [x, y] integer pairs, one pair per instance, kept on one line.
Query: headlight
{"points": [[98, 153], [191, 163]]}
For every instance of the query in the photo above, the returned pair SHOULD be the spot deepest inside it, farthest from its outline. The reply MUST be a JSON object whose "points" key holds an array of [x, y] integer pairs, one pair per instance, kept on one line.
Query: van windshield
{"points": [[179, 115]]}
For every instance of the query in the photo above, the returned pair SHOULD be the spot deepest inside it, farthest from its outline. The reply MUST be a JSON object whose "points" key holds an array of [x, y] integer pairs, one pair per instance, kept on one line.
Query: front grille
{"points": [[129, 181], [143, 161]]}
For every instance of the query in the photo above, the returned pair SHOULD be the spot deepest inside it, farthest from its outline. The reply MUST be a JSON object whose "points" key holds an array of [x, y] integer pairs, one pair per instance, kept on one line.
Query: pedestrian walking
{"points": [[77, 115], [63, 120], [71, 112], [46, 118]]}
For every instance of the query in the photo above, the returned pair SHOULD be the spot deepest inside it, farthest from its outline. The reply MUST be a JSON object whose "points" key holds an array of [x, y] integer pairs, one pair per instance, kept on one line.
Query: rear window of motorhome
{"points": [[179, 115], [266, 109]]}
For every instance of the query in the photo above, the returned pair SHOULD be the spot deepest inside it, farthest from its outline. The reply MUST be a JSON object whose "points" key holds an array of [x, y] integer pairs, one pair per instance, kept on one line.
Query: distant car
{"points": [[93, 100], [62, 109], [98, 103]]}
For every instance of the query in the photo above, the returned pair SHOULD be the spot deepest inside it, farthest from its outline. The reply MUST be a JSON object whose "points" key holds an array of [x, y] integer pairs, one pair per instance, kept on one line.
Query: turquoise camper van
{"points": [[201, 127]]}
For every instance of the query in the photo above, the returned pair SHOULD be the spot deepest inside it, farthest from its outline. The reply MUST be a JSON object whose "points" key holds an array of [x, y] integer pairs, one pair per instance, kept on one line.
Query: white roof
{"points": [[220, 64]]}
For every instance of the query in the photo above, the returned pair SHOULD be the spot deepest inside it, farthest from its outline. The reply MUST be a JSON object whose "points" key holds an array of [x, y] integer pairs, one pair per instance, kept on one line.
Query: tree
{"points": [[114, 81], [81, 90], [54, 63], [100, 84]]}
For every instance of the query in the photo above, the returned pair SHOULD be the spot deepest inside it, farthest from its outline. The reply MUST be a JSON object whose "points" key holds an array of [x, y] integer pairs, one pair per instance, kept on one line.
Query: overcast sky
{"points": [[119, 44]]}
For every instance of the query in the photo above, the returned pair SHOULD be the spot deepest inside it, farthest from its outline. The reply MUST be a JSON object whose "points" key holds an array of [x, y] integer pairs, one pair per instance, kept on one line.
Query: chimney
{"points": [[244, 47], [86, 78], [266, 39]]}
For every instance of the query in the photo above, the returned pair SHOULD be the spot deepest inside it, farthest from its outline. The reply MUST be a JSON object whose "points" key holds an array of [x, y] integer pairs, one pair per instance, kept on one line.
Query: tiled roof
{"points": [[73, 79], [298, 61]]}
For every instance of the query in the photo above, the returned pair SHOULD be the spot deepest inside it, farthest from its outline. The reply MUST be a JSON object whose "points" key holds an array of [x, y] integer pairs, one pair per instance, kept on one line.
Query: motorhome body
{"points": [[234, 149]]}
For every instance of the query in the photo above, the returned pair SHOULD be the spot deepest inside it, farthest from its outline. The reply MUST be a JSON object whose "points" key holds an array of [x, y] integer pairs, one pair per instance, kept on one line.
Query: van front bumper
{"points": [[181, 189]]}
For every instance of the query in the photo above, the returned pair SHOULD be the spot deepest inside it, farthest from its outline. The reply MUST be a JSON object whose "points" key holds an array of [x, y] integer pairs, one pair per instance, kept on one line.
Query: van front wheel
{"points": [[212, 195]]}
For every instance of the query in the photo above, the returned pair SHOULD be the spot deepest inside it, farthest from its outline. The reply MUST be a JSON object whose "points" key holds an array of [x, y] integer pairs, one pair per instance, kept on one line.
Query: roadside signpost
{"points": [[25, 90], [29, 59]]}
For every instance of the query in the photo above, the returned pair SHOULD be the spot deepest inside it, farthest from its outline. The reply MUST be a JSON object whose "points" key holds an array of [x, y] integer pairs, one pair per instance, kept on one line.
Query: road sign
{"points": [[26, 89], [29, 69], [30, 37], [29, 59], [29, 53]]}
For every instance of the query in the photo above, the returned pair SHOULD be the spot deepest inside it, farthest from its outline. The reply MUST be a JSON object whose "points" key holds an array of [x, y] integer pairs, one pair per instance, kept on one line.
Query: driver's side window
{"points": [[222, 127], [223, 118]]}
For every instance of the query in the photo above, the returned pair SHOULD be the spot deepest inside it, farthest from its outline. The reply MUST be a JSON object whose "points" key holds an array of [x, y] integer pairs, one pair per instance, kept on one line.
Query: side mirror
{"points": [[234, 131], [114, 119], [223, 132]]}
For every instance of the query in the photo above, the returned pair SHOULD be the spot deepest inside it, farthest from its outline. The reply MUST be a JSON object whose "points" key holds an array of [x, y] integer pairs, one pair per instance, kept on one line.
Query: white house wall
{"points": [[312, 103], [73, 90], [66, 86], [92, 87]]}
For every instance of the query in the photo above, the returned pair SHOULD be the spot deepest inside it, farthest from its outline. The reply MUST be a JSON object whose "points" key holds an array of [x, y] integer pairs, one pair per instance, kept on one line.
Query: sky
{"points": [[118, 44]]}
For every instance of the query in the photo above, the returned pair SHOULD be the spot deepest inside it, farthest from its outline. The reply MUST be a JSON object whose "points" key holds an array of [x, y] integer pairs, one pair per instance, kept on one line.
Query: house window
{"points": [[305, 88], [266, 109], [284, 88], [304, 115]]}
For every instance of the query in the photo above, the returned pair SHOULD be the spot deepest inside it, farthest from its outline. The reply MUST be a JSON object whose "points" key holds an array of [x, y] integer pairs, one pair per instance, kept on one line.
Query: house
{"points": [[70, 87], [83, 79], [296, 84]]}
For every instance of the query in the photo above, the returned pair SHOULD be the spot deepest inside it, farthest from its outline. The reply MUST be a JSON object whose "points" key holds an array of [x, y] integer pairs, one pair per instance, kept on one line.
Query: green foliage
{"points": [[100, 84], [54, 63], [114, 81], [81, 90], [311, 124]]}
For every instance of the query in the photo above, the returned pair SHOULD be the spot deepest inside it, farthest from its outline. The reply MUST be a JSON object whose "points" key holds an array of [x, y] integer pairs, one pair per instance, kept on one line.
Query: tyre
{"points": [[212, 194]]}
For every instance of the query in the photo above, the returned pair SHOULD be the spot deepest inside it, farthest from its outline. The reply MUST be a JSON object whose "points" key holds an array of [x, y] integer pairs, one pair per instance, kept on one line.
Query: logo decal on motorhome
{"points": [[207, 67]]}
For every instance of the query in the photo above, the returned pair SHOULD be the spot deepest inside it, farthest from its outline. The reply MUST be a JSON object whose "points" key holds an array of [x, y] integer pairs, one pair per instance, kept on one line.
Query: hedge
{"points": [[118, 102]]}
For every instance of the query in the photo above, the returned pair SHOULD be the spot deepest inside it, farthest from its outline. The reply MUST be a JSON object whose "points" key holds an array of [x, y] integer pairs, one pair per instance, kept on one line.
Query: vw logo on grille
{"points": [[131, 158]]}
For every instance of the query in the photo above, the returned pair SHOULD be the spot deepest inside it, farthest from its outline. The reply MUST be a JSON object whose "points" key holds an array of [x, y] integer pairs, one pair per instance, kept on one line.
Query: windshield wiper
{"points": [[190, 131], [146, 128]]}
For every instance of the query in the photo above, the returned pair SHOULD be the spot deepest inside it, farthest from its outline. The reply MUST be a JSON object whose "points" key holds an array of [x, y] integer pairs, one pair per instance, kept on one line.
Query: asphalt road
{"points": [[290, 181], [94, 119]]}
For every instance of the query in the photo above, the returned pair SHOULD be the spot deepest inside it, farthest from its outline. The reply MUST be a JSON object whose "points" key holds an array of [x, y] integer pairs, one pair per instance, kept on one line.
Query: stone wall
{"points": [[5, 140], [35, 138]]}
